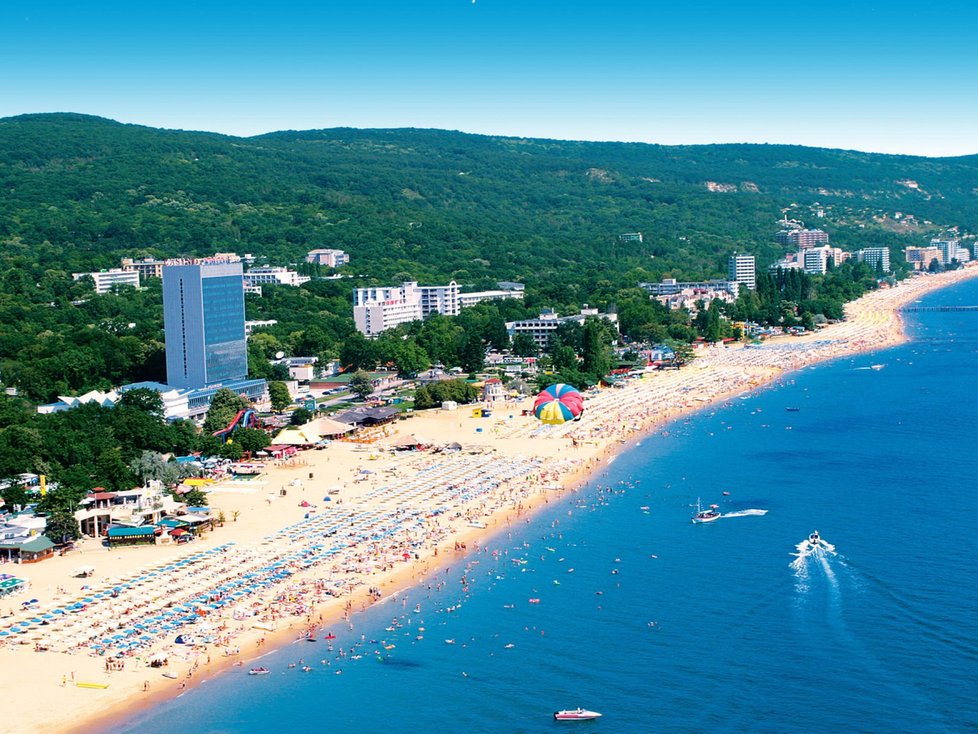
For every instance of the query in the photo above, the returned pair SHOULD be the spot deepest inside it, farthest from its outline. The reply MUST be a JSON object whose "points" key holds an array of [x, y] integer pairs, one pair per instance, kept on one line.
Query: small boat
{"points": [[815, 540], [171, 676], [576, 715], [792, 410], [710, 514], [259, 671]]}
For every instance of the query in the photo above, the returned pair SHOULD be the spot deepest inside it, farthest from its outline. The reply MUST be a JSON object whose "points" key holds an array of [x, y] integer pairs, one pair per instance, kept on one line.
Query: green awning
{"points": [[35, 545], [122, 532]]}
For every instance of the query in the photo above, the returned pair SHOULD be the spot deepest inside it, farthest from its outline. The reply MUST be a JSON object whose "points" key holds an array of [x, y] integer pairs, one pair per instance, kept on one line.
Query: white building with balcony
{"points": [[380, 308], [470, 299], [542, 329], [135, 507], [329, 258], [741, 269], [268, 275], [105, 279], [874, 256]]}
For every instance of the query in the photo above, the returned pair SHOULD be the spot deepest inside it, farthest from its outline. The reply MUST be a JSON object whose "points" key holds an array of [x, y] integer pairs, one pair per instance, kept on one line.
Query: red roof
{"points": [[102, 495]]}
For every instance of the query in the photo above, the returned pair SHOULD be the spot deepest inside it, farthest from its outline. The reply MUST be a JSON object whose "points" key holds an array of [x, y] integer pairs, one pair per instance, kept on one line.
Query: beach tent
{"points": [[410, 442], [329, 427], [297, 437]]}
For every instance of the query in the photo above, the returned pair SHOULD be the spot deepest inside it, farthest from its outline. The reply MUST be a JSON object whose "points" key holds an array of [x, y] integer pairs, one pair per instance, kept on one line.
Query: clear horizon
{"points": [[896, 80]]}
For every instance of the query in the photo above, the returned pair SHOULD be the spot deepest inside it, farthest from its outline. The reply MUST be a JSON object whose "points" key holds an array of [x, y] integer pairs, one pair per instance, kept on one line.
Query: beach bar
{"points": [[29, 551], [120, 535]]}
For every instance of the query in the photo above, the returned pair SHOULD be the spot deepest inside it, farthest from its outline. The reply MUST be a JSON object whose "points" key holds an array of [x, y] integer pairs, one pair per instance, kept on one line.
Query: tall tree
{"points": [[524, 346], [358, 353], [224, 406], [595, 353], [360, 384], [144, 400], [278, 393], [62, 527], [473, 354]]}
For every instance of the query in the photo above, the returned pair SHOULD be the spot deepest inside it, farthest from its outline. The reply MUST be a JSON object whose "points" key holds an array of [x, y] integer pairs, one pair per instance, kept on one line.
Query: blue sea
{"points": [[666, 626]]}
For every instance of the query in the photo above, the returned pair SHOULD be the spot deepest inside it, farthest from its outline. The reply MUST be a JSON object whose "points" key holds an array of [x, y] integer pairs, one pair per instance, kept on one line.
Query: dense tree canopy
{"points": [[81, 192]]}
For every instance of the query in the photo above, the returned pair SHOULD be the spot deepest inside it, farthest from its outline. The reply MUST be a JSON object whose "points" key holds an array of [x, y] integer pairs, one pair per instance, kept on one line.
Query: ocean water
{"points": [[667, 626]]}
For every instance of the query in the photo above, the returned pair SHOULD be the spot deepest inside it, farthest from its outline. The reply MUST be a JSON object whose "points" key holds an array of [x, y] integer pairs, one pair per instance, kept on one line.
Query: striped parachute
{"points": [[558, 404]]}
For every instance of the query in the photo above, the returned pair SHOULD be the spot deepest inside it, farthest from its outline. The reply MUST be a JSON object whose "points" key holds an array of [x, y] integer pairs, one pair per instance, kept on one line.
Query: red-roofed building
{"points": [[492, 390], [134, 507]]}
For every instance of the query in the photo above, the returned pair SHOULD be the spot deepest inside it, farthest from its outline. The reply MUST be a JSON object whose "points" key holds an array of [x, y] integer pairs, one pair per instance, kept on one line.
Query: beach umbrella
{"points": [[558, 404]]}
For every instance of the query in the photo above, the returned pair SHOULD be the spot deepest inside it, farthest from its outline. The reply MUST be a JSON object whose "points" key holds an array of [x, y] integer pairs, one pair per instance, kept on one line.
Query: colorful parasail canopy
{"points": [[558, 404]]}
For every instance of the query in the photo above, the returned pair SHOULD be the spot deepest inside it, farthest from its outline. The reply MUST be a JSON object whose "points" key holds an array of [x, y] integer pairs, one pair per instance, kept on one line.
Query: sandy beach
{"points": [[316, 538]]}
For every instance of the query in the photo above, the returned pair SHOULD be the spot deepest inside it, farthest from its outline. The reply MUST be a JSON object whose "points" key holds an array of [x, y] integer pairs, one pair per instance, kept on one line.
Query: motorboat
{"points": [[259, 671], [710, 514], [577, 714], [815, 540]]}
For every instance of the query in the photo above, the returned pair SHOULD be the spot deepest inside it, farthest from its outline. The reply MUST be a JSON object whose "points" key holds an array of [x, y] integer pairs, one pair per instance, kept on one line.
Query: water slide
{"points": [[246, 418]]}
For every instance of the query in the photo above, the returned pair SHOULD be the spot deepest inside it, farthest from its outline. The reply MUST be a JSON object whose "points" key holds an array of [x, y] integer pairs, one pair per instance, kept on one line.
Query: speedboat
{"points": [[259, 671], [710, 514], [577, 714], [815, 540]]}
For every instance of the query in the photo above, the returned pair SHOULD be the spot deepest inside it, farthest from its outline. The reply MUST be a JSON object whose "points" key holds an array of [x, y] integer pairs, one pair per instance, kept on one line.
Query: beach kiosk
{"points": [[122, 535]]}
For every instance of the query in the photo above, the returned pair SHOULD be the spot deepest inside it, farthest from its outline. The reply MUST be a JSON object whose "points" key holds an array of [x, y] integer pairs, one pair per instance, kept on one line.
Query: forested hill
{"points": [[80, 191]]}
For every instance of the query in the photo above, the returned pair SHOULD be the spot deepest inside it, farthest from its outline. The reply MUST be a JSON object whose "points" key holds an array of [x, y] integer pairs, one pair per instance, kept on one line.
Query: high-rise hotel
{"points": [[740, 268], [203, 317]]}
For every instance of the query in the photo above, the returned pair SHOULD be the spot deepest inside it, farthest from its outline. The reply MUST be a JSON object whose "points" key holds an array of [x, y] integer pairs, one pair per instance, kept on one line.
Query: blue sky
{"points": [[890, 77]]}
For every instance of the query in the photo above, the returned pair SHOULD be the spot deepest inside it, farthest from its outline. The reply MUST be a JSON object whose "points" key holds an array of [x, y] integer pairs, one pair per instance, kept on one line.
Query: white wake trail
{"points": [[745, 513]]}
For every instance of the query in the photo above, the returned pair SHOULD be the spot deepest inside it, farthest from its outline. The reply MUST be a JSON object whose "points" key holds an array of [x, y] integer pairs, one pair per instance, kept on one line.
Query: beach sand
{"points": [[393, 518]]}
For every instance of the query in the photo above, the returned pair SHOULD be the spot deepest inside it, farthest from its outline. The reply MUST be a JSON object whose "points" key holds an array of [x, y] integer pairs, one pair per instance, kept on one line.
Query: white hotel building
{"points": [[105, 279], [740, 269], [378, 309], [874, 255], [267, 275], [329, 258]]}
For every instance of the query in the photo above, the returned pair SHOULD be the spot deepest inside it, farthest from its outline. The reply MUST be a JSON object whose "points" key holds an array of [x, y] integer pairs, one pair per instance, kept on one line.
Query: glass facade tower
{"points": [[203, 318]]}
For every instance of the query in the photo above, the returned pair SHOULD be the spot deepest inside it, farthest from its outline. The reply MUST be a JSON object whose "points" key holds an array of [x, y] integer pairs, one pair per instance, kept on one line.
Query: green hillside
{"points": [[79, 192], [435, 204]]}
